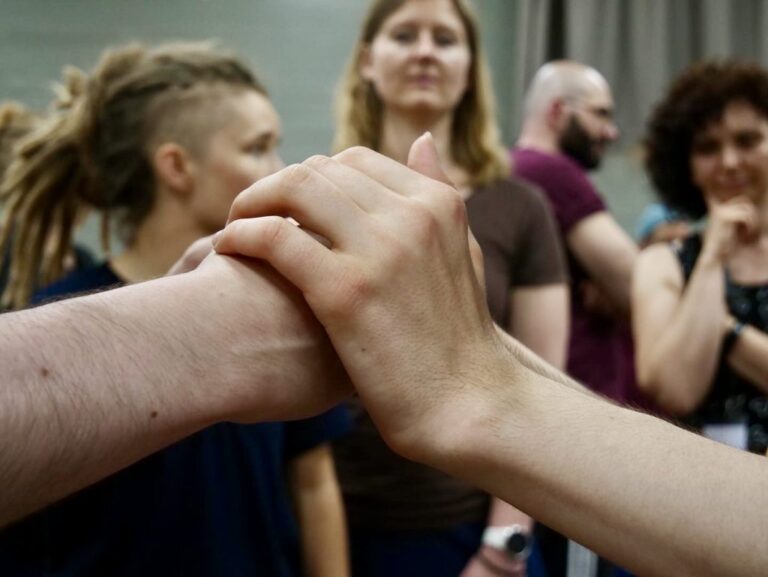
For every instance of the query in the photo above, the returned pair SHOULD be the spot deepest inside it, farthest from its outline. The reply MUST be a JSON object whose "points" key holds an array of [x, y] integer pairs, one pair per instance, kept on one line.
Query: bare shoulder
{"points": [[658, 263]]}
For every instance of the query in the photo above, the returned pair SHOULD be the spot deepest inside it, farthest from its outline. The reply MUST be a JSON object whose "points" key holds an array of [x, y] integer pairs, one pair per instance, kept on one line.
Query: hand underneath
{"points": [[258, 319]]}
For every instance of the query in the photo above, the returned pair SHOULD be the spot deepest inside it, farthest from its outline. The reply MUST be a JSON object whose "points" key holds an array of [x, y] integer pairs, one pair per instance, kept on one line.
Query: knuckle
{"points": [[317, 161], [294, 176], [249, 202], [255, 236], [424, 222], [353, 291], [446, 199], [352, 154], [457, 208], [273, 229]]}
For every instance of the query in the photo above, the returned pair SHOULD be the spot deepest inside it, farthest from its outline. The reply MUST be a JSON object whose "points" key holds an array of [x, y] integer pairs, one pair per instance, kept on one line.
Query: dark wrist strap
{"points": [[492, 567], [731, 337]]}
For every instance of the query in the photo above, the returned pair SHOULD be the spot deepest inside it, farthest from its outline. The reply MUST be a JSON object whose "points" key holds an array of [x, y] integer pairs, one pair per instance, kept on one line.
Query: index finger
{"points": [[388, 172]]}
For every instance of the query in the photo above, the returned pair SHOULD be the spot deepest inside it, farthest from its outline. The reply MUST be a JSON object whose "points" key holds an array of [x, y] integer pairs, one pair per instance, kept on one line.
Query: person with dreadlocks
{"points": [[16, 122], [160, 141]]}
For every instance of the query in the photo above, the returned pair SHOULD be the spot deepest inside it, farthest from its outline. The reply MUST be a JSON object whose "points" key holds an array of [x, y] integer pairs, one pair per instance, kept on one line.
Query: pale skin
{"points": [[399, 261], [419, 63], [403, 260], [678, 347], [562, 91], [318, 502], [160, 367]]}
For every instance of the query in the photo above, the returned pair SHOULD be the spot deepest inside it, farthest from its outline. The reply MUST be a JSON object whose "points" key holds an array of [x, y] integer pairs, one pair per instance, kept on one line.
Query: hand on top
{"points": [[396, 289]]}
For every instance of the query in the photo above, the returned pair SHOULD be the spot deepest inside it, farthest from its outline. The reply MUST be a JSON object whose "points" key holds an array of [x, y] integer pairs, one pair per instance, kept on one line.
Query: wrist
{"points": [[472, 419], [711, 258], [498, 563], [733, 330], [253, 331]]}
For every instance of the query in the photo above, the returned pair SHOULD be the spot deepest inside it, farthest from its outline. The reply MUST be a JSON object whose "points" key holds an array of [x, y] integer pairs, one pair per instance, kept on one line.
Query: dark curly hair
{"points": [[696, 98]]}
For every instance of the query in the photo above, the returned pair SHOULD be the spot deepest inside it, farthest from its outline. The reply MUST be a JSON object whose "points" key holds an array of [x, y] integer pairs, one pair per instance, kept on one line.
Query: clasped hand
{"points": [[395, 287]]}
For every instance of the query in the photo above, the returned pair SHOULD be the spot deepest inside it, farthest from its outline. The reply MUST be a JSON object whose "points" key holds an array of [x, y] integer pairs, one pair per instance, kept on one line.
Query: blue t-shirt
{"points": [[215, 503]]}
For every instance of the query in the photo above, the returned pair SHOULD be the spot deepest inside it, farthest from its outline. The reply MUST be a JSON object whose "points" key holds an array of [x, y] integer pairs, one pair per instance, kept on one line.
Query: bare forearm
{"points": [[539, 320], [320, 510], [91, 385], [608, 255], [532, 362], [677, 365], [88, 387], [324, 542], [633, 488]]}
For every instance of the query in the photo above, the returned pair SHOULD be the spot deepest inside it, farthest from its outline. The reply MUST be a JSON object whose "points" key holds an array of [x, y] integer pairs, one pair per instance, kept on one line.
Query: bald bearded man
{"points": [[568, 125]]}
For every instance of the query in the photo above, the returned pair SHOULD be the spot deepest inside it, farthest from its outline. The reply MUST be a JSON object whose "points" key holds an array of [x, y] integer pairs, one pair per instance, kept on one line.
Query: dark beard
{"points": [[576, 143]]}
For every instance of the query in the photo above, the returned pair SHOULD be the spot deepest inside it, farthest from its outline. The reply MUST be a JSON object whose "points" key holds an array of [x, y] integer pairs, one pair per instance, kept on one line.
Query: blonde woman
{"points": [[418, 67]]}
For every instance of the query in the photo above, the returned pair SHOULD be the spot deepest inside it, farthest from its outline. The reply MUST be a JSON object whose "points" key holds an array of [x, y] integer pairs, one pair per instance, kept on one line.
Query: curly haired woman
{"points": [[700, 306]]}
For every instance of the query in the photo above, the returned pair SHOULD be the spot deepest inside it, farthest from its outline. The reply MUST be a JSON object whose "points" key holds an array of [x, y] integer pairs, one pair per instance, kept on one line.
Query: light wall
{"points": [[297, 47]]}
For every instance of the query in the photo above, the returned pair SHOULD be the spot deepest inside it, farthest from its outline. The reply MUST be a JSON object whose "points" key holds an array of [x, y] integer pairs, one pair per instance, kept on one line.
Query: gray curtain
{"points": [[639, 45]]}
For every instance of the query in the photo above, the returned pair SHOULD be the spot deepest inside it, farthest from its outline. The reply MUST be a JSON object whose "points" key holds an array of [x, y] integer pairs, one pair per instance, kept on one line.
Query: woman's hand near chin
{"points": [[732, 223]]}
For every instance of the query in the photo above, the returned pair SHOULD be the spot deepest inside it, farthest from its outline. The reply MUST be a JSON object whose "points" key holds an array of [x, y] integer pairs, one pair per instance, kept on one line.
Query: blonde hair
{"points": [[92, 151], [475, 140]]}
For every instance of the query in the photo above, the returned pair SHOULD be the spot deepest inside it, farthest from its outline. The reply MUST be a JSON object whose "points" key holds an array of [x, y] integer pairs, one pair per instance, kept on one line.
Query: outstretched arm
{"points": [[91, 385], [399, 298], [539, 319], [677, 343]]}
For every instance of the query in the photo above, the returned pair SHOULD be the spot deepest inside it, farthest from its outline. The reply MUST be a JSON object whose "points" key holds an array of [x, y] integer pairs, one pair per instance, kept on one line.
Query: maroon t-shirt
{"points": [[600, 352]]}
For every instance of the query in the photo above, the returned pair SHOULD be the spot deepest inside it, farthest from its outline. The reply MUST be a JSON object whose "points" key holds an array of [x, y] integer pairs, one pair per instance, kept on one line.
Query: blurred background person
{"points": [[160, 141], [700, 306], [418, 66], [17, 122], [659, 223], [568, 125]]}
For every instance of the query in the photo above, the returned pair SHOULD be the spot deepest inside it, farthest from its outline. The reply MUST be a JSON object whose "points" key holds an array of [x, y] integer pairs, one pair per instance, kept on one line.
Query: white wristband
{"points": [[499, 538]]}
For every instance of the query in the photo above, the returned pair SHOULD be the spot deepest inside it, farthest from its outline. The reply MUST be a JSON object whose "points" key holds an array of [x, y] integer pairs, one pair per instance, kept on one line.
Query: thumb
{"points": [[423, 158]]}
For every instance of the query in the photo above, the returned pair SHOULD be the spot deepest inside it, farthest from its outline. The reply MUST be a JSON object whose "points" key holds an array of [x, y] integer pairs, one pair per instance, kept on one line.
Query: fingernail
{"points": [[216, 237]]}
